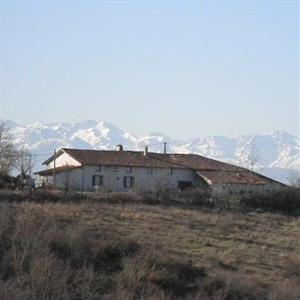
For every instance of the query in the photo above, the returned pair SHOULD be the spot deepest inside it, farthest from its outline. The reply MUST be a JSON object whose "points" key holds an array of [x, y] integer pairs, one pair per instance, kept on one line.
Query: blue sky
{"points": [[182, 68]]}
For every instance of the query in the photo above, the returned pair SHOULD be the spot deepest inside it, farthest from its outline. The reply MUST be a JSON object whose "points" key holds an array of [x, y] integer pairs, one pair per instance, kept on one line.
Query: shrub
{"points": [[195, 197], [90, 285], [292, 265], [231, 286], [177, 278], [79, 249], [40, 196], [12, 196], [284, 200], [110, 257], [72, 246], [7, 228], [287, 290]]}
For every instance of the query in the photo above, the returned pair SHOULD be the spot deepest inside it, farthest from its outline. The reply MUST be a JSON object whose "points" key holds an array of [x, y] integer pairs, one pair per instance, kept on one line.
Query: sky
{"points": [[186, 69]]}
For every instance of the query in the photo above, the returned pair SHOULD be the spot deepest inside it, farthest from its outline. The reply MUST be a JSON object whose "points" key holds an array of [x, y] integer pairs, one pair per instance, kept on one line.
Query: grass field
{"points": [[91, 250]]}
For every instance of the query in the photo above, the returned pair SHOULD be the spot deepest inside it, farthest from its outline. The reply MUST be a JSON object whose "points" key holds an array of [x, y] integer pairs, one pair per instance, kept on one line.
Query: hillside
{"points": [[279, 152], [101, 250]]}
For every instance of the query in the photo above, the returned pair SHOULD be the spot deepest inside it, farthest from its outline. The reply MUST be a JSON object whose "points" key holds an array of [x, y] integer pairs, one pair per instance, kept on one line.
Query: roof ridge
{"points": [[99, 150]]}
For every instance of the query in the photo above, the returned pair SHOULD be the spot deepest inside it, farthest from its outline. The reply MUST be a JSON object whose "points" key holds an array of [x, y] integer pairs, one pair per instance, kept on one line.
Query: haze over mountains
{"points": [[278, 152]]}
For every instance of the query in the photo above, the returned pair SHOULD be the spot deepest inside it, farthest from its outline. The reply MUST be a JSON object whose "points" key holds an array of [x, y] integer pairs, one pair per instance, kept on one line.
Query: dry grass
{"points": [[136, 251]]}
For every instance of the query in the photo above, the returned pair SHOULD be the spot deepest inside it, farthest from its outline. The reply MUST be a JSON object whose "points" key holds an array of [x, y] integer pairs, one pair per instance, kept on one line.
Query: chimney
{"points": [[119, 147], [146, 150]]}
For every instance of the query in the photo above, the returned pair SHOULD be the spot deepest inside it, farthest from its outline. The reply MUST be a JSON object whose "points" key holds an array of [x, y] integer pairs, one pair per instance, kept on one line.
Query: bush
{"points": [[123, 197], [79, 250], [177, 278], [110, 257], [231, 286], [40, 196], [195, 197], [71, 246], [292, 265], [188, 198], [284, 200], [12, 196]]}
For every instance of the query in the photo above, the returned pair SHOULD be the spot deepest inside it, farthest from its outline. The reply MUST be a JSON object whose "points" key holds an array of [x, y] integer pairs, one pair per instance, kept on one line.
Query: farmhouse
{"points": [[119, 170]]}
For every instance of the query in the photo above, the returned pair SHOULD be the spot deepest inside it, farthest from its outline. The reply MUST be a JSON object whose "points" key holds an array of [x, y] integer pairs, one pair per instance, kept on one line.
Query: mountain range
{"points": [[277, 154]]}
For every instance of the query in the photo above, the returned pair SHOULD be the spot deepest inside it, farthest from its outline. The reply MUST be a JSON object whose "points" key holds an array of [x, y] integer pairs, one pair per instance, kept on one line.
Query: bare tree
{"points": [[7, 151], [161, 182], [294, 179], [252, 156], [23, 162]]}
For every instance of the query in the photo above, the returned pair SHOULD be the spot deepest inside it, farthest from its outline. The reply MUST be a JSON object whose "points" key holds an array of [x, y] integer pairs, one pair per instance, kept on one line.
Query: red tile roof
{"points": [[234, 177], [49, 172], [138, 159], [117, 158]]}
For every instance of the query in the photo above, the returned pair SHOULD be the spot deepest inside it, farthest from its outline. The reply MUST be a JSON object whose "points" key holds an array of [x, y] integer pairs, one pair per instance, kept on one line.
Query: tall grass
{"points": [[44, 256]]}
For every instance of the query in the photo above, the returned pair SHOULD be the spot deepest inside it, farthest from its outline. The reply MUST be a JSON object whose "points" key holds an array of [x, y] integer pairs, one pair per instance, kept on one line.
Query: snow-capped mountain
{"points": [[276, 155]]}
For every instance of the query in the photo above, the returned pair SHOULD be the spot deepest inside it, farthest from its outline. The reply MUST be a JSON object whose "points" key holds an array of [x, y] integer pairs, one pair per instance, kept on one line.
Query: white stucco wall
{"points": [[70, 179], [63, 160], [144, 179], [219, 188]]}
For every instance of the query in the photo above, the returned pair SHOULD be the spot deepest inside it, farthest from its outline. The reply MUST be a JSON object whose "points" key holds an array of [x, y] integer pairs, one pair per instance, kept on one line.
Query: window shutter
{"points": [[131, 182]]}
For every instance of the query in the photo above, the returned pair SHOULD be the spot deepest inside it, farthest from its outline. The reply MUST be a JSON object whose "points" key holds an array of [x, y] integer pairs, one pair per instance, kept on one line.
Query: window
{"points": [[128, 182], [129, 170], [98, 168], [150, 170], [97, 180], [170, 171], [184, 185]]}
